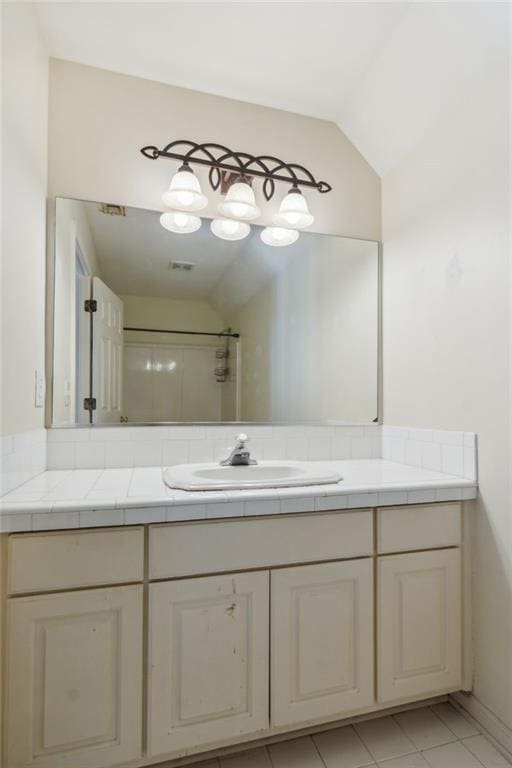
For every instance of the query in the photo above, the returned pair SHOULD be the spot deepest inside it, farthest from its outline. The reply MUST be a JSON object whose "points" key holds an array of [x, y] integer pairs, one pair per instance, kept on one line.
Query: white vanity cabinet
{"points": [[419, 624], [136, 645], [208, 661], [419, 601], [322, 640], [75, 678], [74, 657]]}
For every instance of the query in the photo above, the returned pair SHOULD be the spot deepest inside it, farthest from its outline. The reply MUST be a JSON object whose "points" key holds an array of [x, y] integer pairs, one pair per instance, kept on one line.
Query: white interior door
{"points": [[107, 354]]}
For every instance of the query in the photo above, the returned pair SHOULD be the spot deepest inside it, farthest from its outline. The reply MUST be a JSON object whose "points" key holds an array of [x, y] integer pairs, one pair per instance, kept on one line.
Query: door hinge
{"points": [[90, 305], [89, 403]]}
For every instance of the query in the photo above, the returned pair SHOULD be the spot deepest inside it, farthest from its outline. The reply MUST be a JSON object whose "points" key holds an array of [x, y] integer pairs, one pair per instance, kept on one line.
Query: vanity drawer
{"points": [[185, 549], [419, 526], [65, 560]]}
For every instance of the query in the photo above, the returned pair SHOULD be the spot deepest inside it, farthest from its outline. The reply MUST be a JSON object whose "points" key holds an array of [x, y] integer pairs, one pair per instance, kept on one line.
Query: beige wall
{"points": [[99, 120], [309, 336], [447, 332], [24, 182]]}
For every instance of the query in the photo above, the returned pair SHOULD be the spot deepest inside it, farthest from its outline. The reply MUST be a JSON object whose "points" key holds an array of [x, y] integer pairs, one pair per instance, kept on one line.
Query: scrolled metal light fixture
{"points": [[185, 193]]}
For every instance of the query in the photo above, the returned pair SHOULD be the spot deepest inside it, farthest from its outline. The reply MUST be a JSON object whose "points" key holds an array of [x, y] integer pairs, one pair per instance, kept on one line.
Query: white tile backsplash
{"points": [[437, 450], [107, 447], [147, 453], [88, 455], [452, 459], [297, 448], [23, 456], [61, 454], [431, 456], [341, 446], [119, 453], [367, 447]]}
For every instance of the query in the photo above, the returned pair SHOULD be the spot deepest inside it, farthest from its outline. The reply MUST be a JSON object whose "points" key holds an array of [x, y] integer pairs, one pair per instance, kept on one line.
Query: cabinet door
{"points": [[208, 661], [419, 624], [74, 680], [322, 641]]}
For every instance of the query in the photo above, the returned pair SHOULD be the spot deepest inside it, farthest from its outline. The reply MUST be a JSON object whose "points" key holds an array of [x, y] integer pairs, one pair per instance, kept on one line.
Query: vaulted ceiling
{"points": [[384, 72]]}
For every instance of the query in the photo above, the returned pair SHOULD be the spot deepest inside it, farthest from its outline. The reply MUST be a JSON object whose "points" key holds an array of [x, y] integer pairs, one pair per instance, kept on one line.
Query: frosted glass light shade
{"points": [[180, 222], [184, 193], [279, 236], [293, 211], [229, 229], [240, 202]]}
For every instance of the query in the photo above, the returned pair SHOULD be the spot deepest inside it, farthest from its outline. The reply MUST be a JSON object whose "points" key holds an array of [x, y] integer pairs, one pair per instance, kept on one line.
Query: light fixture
{"points": [[240, 202], [184, 193], [279, 236], [293, 211], [229, 229], [180, 222]]}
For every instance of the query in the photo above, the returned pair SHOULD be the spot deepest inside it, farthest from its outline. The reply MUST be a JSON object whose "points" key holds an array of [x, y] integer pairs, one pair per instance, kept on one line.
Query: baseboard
{"points": [[498, 732]]}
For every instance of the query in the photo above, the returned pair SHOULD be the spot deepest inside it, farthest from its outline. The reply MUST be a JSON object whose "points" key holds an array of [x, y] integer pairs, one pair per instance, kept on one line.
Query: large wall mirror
{"points": [[192, 328]]}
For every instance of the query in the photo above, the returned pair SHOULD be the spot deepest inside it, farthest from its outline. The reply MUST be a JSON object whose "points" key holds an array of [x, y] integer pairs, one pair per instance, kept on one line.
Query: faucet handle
{"points": [[242, 438]]}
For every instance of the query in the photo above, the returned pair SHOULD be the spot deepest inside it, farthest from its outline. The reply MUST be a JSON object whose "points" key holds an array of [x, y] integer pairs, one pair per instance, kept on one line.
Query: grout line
{"points": [[362, 744], [218, 761], [457, 741], [444, 723], [393, 717], [318, 752], [490, 741]]}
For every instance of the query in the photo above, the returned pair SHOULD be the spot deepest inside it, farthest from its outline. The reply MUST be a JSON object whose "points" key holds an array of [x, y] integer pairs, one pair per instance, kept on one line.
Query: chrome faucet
{"points": [[239, 455]]}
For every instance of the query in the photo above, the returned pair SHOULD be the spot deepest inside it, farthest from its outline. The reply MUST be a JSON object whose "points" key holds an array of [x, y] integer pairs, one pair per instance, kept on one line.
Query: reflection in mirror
{"points": [[153, 326]]}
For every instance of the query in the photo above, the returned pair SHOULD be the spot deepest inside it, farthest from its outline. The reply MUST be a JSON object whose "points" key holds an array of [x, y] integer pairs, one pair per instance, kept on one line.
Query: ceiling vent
{"points": [[182, 266], [112, 210]]}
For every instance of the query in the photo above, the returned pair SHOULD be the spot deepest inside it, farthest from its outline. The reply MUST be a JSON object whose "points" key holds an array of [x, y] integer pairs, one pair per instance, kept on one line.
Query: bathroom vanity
{"points": [[135, 644]]}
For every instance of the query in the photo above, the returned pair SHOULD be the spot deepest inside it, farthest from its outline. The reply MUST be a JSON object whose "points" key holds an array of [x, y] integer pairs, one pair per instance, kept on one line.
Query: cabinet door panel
{"points": [[208, 644], [419, 624], [322, 640], [75, 679]]}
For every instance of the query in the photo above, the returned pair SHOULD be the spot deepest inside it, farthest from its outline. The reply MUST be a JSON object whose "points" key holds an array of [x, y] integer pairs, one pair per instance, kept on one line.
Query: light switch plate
{"points": [[40, 390]]}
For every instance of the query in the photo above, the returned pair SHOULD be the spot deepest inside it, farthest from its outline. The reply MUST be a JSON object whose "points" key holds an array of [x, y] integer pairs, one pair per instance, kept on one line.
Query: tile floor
{"points": [[434, 737]]}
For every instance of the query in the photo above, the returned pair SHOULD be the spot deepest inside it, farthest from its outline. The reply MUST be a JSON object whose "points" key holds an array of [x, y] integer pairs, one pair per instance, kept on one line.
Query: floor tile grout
{"points": [[318, 752], [423, 752]]}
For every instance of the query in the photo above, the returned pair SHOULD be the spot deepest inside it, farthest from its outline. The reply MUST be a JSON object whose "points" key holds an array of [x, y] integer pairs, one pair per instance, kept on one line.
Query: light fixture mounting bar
{"points": [[219, 158]]}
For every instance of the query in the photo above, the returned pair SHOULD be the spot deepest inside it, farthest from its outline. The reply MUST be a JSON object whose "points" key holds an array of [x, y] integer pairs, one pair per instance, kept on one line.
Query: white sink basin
{"points": [[265, 474]]}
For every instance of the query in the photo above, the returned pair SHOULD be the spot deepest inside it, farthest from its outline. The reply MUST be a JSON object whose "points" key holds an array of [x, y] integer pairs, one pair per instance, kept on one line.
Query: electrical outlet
{"points": [[40, 390]]}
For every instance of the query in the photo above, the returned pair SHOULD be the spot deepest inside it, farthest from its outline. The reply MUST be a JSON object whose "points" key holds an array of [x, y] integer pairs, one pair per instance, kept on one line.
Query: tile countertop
{"points": [[88, 498]]}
